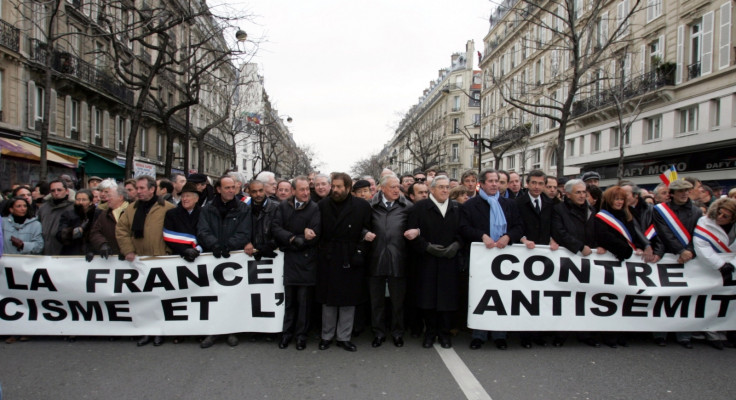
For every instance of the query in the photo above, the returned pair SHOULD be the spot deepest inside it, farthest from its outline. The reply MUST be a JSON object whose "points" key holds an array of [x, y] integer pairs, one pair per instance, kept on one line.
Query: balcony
{"points": [[635, 87], [39, 51], [9, 36], [71, 65]]}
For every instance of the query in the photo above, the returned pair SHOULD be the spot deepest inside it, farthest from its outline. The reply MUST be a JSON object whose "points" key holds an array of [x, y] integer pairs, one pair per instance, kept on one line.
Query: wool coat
{"points": [[341, 271], [152, 243], [300, 262], [437, 279]]}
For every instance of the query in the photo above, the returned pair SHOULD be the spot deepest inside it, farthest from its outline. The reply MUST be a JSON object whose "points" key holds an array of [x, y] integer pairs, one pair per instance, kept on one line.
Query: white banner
{"points": [[517, 289], [42, 295]]}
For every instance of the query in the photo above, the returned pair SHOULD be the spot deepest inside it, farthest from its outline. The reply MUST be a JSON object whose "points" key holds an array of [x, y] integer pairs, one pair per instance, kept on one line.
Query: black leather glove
{"points": [[121, 257], [436, 250], [190, 254], [217, 251], [89, 256], [268, 253], [105, 251], [726, 269], [225, 252], [299, 242], [451, 250]]}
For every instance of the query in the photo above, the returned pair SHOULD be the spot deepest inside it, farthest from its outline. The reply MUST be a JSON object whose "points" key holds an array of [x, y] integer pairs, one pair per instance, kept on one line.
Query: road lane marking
{"points": [[465, 379]]}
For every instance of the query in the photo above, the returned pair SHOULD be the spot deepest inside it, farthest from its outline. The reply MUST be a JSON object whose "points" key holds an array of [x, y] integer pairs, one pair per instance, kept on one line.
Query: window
{"points": [[476, 119], [715, 112], [536, 159], [144, 142], [40, 94], [513, 57], [654, 9], [456, 103], [511, 162], [615, 138], [654, 128], [159, 146], [456, 125], [570, 145], [75, 118], [696, 36], [595, 142], [655, 55], [455, 154], [582, 145], [553, 159], [689, 119], [97, 127], [121, 134], [99, 55]]}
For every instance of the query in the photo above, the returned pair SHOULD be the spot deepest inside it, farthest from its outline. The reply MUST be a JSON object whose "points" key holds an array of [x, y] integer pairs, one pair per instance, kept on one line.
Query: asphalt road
{"points": [[95, 368]]}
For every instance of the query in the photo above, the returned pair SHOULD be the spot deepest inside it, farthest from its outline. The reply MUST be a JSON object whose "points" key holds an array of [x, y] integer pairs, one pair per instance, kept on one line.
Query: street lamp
{"points": [[241, 35]]}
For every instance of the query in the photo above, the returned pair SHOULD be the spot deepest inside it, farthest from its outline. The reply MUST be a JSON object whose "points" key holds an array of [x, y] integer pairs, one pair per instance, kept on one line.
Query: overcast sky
{"points": [[345, 69]]}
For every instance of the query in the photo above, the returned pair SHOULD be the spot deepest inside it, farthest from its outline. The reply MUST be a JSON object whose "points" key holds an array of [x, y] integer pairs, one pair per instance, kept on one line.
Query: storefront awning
{"points": [[93, 163], [30, 151]]}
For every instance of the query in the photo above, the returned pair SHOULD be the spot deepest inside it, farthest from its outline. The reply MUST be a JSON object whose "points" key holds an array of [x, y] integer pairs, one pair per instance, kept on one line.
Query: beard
{"points": [[338, 197]]}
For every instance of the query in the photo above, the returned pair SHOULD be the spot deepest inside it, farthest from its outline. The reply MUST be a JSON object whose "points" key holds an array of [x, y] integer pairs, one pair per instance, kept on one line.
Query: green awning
{"points": [[93, 163]]}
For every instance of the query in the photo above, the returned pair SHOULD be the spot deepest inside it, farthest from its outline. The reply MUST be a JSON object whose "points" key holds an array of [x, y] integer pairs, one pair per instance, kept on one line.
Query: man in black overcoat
{"points": [[296, 229], [435, 252], [341, 270]]}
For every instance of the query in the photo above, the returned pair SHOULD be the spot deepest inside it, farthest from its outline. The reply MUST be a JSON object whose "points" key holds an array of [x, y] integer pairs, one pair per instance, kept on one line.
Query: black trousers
{"points": [[438, 323], [297, 310], [397, 292]]}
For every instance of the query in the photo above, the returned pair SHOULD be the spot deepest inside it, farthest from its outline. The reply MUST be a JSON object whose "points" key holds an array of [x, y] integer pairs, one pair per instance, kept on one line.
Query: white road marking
{"points": [[465, 379]]}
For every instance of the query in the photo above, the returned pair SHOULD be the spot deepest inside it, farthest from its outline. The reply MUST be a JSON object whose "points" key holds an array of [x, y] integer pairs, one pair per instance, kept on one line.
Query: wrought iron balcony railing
{"points": [[9, 36], [633, 88], [71, 65]]}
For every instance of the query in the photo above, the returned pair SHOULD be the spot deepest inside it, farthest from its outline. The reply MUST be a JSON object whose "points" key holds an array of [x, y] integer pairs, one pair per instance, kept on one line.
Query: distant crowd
{"points": [[388, 254]]}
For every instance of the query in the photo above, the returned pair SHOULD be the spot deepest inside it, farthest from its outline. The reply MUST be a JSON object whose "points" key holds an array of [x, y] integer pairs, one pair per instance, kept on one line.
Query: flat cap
{"points": [[680, 184], [94, 178], [590, 175], [360, 184], [189, 187]]}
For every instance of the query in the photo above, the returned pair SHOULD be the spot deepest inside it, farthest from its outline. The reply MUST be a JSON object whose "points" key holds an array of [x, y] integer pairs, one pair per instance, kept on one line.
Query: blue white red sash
{"points": [[246, 199], [616, 224], [178, 237], [711, 239], [674, 223], [650, 232]]}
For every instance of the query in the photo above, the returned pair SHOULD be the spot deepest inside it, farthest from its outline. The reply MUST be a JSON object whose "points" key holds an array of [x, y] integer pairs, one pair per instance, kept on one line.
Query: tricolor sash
{"points": [[616, 224], [650, 232], [246, 199], [178, 237], [674, 223], [711, 239]]}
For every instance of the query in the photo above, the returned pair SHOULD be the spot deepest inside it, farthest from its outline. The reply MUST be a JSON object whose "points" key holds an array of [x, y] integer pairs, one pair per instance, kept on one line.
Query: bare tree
{"points": [[577, 42], [424, 139], [371, 165]]}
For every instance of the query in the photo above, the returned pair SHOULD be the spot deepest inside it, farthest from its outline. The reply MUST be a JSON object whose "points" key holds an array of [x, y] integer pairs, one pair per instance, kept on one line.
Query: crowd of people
{"points": [[390, 254]]}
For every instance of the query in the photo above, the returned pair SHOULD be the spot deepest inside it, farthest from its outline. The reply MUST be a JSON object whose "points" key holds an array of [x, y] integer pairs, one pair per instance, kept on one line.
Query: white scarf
{"points": [[442, 206]]}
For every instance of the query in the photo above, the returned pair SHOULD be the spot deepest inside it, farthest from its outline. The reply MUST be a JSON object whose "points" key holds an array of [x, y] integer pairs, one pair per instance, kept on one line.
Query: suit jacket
{"points": [[537, 227], [476, 216]]}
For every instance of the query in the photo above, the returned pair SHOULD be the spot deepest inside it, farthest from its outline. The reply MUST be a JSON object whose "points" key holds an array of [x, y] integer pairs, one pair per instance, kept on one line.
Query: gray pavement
{"points": [[50, 368]]}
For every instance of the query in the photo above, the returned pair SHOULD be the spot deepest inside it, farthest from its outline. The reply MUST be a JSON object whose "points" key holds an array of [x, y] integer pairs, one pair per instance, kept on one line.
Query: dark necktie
{"points": [[536, 206], [388, 204], [298, 204]]}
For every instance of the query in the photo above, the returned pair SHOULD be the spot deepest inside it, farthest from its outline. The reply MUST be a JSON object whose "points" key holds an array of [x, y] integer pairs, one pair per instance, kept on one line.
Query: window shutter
{"points": [[650, 10], [661, 47], [604, 28], [83, 131], [31, 109], [706, 60], [92, 125], [52, 113], [116, 130], [106, 128], [68, 116], [680, 53], [627, 68], [724, 50], [127, 131], [643, 59]]}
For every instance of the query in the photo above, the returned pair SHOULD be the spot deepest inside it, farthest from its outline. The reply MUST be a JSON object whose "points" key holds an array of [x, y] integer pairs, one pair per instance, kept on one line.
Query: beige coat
{"points": [[152, 243]]}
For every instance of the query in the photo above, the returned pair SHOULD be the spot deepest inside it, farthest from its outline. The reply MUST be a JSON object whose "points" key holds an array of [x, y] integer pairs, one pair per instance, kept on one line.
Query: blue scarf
{"points": [[497, 219]]}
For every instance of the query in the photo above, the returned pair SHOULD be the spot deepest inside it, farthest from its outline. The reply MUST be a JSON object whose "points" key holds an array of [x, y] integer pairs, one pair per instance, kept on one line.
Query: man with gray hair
{"points": [[387, 267], [269, 183], [661, 194], [102, 238], [322, 186], [239, 183]]}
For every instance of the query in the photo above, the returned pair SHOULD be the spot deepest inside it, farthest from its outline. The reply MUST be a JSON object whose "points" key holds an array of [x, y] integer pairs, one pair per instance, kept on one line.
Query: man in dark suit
{"points": [[535, 210], [495, 221]]}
